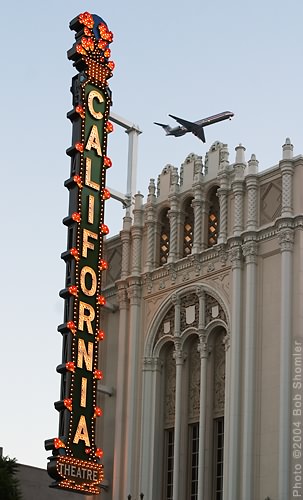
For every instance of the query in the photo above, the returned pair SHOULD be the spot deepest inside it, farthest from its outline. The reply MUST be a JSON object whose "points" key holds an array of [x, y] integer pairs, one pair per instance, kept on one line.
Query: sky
{"points": [[191, 59]]}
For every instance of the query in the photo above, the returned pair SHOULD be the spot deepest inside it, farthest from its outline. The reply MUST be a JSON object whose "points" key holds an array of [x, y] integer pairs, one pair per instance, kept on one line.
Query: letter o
{"points": [[90, 102], [84, 271]]}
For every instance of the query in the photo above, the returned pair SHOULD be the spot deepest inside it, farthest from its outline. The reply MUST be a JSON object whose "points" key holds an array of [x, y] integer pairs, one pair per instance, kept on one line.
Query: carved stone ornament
{"points": [[169, 319], [170, 387], [148, 282], [213, 310], [235, 254], [219, 376], [250, 251], [134, 294], [286, 239], [189, 311], [122, 298], [194, 382], [223, 255]]}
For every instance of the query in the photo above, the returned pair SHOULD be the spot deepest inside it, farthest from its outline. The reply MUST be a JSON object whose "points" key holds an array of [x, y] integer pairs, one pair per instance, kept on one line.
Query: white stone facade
{"points": [[203, 333]]}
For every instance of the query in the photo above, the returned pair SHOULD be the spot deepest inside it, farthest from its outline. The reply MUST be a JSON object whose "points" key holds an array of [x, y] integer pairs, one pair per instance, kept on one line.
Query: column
{"points": [[252, 193], [222, 193], [226, 416], [125, 239], [235, 356], [179, 357], [250, 254], [238, 190], [136, 232], [197, 207], [151, 227], [173, 215], [118, 466], [147, 464]]}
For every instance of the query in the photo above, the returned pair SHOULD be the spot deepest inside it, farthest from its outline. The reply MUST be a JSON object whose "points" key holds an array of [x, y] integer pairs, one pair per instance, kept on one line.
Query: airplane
{"points": [[195, 128]]}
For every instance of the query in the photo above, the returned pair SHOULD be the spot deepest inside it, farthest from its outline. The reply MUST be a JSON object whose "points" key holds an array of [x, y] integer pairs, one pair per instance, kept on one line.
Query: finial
{"points": [[240, 156], [287, 149], [138, 200], [253, 165]]}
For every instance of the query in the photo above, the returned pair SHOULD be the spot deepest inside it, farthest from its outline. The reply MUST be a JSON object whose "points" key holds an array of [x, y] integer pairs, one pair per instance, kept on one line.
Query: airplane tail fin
{"points": [[167, 128]]}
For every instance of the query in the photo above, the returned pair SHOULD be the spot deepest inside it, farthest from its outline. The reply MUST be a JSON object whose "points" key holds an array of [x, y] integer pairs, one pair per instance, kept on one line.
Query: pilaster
{"points": [[131, 457], [235, 357], [118, 466], [286, 241], [250, 253]]}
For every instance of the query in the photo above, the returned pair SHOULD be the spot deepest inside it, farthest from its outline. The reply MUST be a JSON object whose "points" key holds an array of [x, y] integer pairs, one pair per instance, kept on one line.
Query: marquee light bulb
{"points": [[87, 19], [104, 229], [102, 44], [73, 290], [75, 253], [87, 31], [70, 366], [68, 403], [80, 110], [81, 50], [77, 179], [111, 65], [109, 127], [107, 162], [106, 194], [100, 335], [98, 412], [103, 265], [79, 147], [87, 43], [101, 300], [71, 326], [76, 217], [98, 374], [58, 443]]}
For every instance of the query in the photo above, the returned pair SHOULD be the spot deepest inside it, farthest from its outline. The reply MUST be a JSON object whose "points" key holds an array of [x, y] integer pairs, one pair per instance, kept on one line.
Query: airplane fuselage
{"points": [[195, 128]]}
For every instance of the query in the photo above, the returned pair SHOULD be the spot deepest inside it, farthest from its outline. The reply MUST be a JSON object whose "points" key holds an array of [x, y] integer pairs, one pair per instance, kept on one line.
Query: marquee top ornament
{"points": [[91, 50]]}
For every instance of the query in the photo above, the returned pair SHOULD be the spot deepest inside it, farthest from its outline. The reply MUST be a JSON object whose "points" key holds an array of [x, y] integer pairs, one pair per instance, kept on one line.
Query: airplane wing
{"points": [[197, 130]]}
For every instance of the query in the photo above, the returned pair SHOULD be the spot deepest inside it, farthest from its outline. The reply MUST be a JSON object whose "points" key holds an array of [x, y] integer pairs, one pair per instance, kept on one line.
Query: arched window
{"points": [[188, 228], [164, 237], [213, 218]]}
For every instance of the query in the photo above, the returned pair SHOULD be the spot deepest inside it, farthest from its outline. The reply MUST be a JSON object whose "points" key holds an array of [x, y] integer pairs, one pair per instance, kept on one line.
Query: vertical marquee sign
{"points": [[75, 461]]}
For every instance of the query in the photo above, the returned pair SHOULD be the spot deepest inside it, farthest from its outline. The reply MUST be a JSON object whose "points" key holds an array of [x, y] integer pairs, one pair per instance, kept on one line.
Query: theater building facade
{"points": [[203, 331]]}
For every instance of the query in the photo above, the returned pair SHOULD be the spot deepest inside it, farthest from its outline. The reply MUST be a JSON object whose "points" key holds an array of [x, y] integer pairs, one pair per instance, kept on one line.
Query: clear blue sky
{"points": [[192, 59]]}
